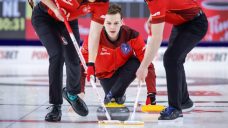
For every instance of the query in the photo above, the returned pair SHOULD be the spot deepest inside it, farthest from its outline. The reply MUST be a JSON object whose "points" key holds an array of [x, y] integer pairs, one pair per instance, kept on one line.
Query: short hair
{"points": [[115, 9]]}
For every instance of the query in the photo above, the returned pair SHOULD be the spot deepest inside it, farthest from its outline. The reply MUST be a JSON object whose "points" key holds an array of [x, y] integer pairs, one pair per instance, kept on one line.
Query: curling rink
{"points": [[24, 92]]}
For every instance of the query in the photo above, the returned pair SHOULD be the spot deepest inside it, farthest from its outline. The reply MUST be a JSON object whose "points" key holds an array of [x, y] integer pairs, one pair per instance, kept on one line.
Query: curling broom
{"points": [[151, 108], [84, 64]]}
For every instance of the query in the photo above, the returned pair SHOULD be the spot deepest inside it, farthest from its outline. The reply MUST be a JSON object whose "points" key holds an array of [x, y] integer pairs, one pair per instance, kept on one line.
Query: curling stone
{"points": [[116, 112]]}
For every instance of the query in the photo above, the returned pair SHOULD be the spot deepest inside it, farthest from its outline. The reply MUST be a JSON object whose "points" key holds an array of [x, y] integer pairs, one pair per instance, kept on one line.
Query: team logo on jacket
{"points": [[125, 48], [104, 51]]}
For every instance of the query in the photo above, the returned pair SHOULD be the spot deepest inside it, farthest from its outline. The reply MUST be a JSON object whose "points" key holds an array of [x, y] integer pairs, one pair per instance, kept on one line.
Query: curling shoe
{"points": [[55, 113]]}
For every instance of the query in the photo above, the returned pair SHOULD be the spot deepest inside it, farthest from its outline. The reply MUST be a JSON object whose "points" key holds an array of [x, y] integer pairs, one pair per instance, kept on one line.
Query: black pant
{"points": [[121, 79], [182, 40], [50, 32]]}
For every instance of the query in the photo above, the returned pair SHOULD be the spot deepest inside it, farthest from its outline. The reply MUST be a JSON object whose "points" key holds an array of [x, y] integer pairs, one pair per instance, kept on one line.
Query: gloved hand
{"points": [[90, 70], [151, 99]]}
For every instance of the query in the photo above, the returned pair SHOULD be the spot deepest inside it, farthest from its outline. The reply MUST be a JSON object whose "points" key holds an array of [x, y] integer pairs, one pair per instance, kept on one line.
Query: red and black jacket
{"points": [[113, 55], [175, 12], [73, 9]]}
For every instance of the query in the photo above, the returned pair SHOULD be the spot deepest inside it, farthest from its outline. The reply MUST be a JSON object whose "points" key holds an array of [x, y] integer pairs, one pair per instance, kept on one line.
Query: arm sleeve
{"points": [[151, 79], [99, 11], [138, 46], [84, 49], [68, 5], [157, 10]]}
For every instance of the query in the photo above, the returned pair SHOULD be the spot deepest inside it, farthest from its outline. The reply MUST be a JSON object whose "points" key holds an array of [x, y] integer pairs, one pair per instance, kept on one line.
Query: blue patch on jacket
{"points": [[125, 48]]}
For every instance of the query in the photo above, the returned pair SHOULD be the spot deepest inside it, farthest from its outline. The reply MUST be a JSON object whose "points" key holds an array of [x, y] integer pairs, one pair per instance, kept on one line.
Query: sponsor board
{"points": [[37, 55], [217, 13], [10, 55]]}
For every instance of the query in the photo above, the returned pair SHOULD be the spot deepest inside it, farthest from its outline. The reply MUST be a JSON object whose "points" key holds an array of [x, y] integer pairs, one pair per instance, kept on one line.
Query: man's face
{"points": [[112, 25]]}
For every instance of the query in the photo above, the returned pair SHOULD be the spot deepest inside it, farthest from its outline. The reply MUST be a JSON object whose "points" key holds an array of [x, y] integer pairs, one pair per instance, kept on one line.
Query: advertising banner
{"points": [[199, 57], [217, 14]]}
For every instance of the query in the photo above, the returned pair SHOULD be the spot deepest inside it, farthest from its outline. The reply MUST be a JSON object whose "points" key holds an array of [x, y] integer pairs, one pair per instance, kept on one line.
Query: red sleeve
{"points": [[99, 11], [138, 46], [157, 10], [84, 49], [151, 79], [68, 5]]}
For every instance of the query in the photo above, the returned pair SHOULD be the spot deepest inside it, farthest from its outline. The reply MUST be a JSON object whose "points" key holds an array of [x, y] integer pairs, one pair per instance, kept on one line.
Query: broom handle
{"points": [[139, 86], [136, 101], [82, 59], [99, 96], [75, 43]]}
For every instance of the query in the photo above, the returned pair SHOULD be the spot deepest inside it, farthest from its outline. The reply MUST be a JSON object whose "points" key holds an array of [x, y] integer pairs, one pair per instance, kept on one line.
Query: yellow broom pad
{"points": [[109, 105], [114, 105], [152, 108]]}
